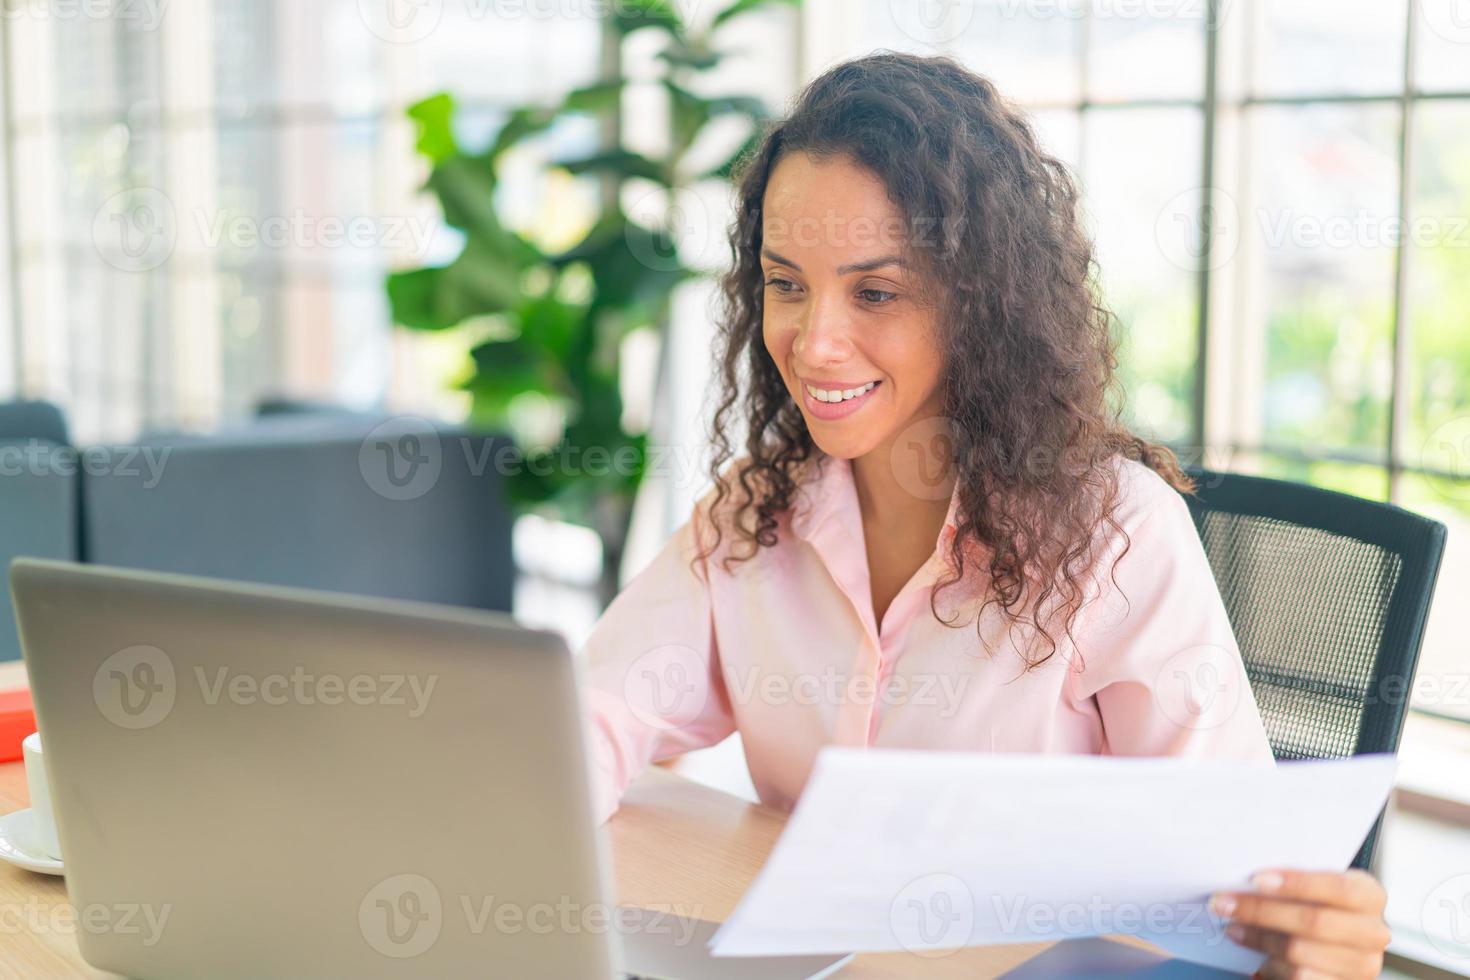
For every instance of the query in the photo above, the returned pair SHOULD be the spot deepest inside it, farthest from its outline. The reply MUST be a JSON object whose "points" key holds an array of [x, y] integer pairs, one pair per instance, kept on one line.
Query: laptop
{"points": [[256, 781]]}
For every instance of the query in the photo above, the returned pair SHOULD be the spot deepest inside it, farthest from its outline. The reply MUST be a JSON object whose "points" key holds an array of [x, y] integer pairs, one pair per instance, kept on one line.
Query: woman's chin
{"points": [[833, 441]]}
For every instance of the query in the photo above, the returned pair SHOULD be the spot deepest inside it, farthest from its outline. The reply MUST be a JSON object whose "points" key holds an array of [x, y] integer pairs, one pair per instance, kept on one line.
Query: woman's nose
{"points": [[822, 336]]}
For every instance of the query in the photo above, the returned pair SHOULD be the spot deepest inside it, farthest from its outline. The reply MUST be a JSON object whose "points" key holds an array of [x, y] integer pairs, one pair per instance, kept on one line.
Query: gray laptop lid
{"points": [[269, 782]]}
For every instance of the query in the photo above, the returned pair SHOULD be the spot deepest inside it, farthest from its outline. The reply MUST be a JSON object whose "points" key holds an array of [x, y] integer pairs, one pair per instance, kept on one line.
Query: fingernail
{"points": [[1267, 881], [1235, 931], [1223, 905]]}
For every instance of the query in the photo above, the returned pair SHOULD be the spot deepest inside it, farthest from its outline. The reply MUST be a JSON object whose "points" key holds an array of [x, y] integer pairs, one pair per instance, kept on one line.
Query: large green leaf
{"points": [[510, 363], [598, 419], [719, 105], [465, 186], [594, 98], [527, 486], [434, 117], [624, 163], [552, 324], [746, 6], [631, 15], [518, 365], [691, 112], [692, 53], [530, 121], [416, 301], [442, 297], [521, 124], [630, 264]]}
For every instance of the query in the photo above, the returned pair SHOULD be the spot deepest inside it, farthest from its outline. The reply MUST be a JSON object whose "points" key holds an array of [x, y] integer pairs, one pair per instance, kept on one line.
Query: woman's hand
{"points": [[1311, 924]]}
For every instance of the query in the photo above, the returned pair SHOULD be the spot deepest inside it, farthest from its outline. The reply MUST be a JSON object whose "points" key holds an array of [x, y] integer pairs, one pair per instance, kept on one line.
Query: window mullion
{"points": [[1401, 326]]}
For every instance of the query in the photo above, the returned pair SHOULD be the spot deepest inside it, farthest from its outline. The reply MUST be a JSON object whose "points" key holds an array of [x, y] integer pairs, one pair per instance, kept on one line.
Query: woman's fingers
{"points": [[1310, 923], [1278, 970], [1364, 930], [1327, 959], [1354, 889]]}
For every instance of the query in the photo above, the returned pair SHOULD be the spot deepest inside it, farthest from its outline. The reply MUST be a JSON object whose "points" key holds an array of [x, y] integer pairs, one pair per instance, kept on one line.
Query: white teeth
{"points": [[839, 394]]}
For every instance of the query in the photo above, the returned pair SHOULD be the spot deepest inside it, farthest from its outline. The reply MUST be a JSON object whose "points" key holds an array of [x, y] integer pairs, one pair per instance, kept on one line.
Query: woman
{"points": [[937, 533]]}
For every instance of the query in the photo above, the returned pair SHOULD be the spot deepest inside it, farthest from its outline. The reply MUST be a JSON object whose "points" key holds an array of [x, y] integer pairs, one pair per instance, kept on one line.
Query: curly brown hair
{"points": [[1030, 360]]}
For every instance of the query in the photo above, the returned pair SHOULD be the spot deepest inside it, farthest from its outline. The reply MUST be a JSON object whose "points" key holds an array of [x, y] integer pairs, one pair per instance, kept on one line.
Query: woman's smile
{"points": [[833, 400]]}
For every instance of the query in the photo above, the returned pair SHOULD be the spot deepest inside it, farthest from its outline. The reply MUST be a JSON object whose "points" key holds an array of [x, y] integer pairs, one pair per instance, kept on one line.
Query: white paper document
{"points": [[931, 851]]}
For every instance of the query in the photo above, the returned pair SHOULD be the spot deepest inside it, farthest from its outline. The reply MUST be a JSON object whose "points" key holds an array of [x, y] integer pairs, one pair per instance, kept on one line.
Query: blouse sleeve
{"points": [[1158, 653], [652, 676]]}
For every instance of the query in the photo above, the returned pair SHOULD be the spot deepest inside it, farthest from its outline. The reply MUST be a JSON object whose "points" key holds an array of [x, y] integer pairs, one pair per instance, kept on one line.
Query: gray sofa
{"points": [[39, 496], [293, 498]]}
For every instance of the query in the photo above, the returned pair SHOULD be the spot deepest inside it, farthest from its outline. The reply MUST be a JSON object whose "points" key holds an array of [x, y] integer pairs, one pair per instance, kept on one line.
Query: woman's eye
{"points": [[877, 296], [781, 285]]}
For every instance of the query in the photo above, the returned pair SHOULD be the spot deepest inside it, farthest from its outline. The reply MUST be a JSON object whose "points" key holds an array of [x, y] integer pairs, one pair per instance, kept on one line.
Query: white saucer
{"points": [[18, 847]]}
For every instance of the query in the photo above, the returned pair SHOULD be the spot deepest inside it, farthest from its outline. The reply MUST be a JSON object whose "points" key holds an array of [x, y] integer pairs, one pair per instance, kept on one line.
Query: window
{"points": [[207, 195]]}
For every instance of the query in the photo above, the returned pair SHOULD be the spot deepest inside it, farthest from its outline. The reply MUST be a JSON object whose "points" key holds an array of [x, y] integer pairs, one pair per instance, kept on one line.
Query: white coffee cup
{"points": [[43, 820]]}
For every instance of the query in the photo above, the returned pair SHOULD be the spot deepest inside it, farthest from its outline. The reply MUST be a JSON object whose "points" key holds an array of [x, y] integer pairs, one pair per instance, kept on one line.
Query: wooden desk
{"points": [[676, 845]]}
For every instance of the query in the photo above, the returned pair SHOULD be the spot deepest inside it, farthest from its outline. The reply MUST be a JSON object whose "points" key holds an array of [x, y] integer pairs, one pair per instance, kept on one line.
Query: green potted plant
{"points": [[549, 323]]}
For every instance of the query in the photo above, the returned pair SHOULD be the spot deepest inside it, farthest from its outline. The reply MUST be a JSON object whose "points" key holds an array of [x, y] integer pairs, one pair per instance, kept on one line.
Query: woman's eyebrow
{"points": [[868, 265], [779, 259], [871, 264]]}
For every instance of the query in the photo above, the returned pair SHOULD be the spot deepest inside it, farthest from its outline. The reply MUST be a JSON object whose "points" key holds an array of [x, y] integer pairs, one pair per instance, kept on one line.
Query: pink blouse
{"points": [[784, 648]]}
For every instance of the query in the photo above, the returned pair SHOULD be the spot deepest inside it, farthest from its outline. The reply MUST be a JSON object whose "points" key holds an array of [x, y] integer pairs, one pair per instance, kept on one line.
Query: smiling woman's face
{"points": [[844, 323]]}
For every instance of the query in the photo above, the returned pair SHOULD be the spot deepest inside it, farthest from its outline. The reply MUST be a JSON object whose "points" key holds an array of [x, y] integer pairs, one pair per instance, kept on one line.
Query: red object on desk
{"points": [[17, 720]]}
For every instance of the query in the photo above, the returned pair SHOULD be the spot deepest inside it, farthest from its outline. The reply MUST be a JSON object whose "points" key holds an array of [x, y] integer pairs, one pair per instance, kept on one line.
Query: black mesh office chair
{"points": [[1328, 595]]}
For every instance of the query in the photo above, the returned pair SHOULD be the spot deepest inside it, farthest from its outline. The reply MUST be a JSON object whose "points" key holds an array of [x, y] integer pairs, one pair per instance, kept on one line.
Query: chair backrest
{"points": [[295, 504], [39, 516], [1328, 595], [33, 420], [39, 508]]}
